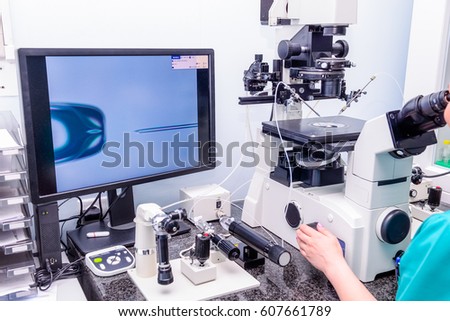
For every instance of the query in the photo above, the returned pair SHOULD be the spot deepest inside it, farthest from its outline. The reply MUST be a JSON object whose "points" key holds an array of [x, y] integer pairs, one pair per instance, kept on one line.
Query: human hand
{"points": [[321, 248]]}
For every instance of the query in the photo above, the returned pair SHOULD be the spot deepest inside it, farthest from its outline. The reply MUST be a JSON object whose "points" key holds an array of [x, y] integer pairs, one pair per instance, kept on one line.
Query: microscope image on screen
{"points": [[79, 131], [110, 116]]}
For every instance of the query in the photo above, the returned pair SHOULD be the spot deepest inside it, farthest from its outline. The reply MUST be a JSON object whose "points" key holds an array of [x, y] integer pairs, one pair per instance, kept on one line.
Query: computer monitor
{"points": [[107, 119]]}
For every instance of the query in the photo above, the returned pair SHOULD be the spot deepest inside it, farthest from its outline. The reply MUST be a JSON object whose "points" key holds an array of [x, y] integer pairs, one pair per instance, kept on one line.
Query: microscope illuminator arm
{"points": [[267, 248], [302, 12], [310, 62]]}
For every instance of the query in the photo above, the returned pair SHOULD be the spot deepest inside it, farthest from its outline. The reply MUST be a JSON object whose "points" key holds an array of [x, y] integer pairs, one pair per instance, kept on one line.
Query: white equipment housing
{"points": [[210, 202], [359, 212], [314, 12]]}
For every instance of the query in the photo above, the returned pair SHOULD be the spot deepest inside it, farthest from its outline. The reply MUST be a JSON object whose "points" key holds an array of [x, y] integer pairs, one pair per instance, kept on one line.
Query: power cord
{"points": [[84, 213], [123, 192], [417, 175], [45, 276], [437, 175]]}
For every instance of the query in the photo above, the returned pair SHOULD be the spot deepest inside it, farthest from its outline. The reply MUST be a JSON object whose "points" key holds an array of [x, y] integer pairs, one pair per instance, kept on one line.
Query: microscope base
{"points": [[353, 224], [231, 278]]}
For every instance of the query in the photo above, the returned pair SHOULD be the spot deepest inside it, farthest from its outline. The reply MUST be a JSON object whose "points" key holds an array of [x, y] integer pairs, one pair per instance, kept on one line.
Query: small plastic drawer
{"points": [[18, 288], [12, 193], [16, 265], [12, 168], [9, 142], [15, 224], [14, 217], [20, 295], [15, 241], [18, 247]]}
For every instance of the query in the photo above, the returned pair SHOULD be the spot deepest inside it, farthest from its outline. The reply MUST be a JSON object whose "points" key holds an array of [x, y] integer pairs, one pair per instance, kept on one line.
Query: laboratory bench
{"points": [[298, 281]]}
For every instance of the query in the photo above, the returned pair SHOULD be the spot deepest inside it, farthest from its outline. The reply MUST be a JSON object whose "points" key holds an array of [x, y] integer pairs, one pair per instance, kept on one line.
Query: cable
{"points": [[437, 175], [124, 191], [282, 141], [291, 186], [226, 178], [417, 174], [394, 80], [83, 214], [44, 277], [182, 252], [63, 221]]}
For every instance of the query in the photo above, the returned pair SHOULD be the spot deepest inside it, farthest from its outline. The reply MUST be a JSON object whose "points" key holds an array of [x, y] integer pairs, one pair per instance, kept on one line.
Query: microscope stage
{"points": [[328, 130]]}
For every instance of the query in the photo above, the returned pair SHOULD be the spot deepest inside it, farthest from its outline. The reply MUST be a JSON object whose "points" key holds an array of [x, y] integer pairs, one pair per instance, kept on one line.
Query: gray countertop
{"points": [[298, 281]]}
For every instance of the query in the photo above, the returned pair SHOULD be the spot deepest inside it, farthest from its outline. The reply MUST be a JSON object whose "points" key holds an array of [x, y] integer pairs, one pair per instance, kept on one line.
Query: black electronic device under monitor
{"points": [[107, 119]]}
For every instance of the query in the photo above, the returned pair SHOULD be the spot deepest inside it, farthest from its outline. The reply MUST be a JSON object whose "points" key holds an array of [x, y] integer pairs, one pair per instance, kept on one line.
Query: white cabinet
{"points": [[16, 244]]}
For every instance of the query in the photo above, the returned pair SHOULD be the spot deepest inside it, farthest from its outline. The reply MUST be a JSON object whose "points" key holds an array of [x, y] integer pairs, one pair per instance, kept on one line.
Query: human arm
{"points": [[322, 249]]}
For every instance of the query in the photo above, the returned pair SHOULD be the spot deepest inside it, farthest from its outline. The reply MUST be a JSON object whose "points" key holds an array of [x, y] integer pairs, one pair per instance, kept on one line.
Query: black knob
{"points": [[340, 49], [287, 49], [292, 216], [395, 227], [226, 247], [171, 227]]}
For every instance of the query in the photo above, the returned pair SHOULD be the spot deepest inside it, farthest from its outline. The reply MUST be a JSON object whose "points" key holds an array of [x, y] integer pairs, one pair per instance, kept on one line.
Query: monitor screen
{"points": [[107, 119], [100, 119]]}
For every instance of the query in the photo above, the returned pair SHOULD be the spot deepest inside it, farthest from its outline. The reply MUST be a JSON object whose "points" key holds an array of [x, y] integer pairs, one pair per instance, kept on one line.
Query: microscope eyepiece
{"points": [[423, 113], [412, 126]]}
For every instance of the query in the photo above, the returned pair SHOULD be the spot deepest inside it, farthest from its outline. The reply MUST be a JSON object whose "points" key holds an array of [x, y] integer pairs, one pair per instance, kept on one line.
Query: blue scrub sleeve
{"points": [[425, 266]]}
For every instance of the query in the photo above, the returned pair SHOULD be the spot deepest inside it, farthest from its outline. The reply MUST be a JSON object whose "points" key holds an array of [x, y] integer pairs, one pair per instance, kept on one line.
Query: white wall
{"points": [[378, 45]]}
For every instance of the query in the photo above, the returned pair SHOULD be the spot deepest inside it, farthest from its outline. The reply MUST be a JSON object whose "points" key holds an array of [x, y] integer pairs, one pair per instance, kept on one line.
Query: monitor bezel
{"points": [[32, 128]]}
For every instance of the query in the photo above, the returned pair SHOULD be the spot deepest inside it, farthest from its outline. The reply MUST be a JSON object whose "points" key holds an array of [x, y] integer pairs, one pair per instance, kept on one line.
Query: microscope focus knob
{"points": [[171, 227], [340, 49], [393, 225], [288, 49]]}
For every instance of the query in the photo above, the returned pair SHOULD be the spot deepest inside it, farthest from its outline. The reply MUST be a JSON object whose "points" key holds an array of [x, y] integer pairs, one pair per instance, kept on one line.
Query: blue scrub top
{"points": [[424, 271]]}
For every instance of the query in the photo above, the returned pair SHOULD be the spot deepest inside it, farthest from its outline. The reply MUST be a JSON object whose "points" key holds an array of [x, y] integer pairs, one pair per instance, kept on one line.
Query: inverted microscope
{"points": [[304, 178]]}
